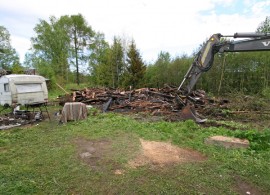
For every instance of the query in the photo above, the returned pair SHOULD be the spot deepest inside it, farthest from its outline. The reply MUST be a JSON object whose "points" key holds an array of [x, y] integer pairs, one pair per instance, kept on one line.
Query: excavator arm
{"points": [[205, 57]]}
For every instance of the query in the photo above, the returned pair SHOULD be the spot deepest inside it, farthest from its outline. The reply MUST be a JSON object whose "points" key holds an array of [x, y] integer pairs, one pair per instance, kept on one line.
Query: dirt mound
{"points": [[161, 153]]}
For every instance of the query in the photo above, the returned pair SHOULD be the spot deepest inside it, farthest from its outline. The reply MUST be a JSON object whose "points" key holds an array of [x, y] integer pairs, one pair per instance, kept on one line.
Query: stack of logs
{"points": [[167, 101]]}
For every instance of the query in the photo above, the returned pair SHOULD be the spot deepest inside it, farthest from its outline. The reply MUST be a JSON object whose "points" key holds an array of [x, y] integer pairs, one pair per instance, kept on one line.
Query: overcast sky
{"points": [[174, 26]]}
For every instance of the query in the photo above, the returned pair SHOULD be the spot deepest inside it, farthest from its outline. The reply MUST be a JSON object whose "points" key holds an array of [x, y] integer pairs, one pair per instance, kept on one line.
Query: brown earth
{"points": [[99, 153], [161, 154], [92, 152], [244, 188], [99, 156]]}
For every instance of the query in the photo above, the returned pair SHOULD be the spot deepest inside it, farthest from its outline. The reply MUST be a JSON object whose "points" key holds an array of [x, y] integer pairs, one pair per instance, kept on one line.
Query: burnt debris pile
{"points": [[167, 102]]}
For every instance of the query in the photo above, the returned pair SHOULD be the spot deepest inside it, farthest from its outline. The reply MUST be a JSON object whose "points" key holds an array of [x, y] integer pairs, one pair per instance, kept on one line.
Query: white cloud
{"points": [[174, 26], [21, 43], [260, 7]]}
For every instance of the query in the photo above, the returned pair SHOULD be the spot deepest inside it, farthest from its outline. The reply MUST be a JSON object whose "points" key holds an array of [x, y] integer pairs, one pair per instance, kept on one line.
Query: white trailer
{"points": [[23, 89]]}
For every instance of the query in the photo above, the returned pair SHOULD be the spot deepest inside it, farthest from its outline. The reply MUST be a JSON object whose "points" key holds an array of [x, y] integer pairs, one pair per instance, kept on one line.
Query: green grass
{"points": [[43, 159]]}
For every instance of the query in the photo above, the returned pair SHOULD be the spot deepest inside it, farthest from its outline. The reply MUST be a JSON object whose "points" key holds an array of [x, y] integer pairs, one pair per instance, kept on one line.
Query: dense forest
{"points": [[67, 50]]}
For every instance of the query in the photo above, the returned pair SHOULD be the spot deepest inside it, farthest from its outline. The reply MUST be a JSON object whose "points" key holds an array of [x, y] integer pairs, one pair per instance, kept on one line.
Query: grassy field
{"points": [[46, 158]]}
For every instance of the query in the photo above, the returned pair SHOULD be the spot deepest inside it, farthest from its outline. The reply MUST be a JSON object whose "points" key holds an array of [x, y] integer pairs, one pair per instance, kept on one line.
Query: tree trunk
{"points": [[222, 74]]}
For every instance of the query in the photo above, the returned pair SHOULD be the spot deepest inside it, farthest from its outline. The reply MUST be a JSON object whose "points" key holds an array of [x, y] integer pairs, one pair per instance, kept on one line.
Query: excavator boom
{"points": [[205, 57]]}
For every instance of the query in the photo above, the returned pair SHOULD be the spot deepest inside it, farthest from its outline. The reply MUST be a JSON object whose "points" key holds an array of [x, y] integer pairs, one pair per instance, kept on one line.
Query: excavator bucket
{"points": [[188, 112]]}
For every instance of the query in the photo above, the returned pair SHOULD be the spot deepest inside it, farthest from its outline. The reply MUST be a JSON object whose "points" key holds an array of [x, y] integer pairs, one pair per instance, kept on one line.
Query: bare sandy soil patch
{"points": [[162, 153]]}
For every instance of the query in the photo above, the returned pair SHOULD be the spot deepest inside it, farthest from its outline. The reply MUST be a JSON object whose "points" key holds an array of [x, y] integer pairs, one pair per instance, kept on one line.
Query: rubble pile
{"points": [[167, 102], [18, 118]]}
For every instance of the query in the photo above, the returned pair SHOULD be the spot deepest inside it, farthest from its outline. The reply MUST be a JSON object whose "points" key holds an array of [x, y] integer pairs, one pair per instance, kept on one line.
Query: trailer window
{"points": [[28, 88], [6, 87]]}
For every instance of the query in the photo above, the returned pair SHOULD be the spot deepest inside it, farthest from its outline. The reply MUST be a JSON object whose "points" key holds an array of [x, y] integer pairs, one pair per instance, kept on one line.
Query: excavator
{"points": [[204, 59]]}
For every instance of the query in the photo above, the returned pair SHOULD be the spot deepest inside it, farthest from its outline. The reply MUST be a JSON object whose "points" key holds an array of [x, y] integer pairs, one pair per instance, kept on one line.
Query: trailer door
{"points": [[5, 94]]}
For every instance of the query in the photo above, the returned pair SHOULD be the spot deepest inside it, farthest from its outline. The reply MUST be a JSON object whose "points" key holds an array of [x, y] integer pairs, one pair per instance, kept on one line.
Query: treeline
{"points": [[68, 44], [248, 73], [68, 50]]}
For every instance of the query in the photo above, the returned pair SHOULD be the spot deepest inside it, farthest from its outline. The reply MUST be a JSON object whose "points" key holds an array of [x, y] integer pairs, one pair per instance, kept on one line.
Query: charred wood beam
{"points": [[161, 94], [107, 105]]}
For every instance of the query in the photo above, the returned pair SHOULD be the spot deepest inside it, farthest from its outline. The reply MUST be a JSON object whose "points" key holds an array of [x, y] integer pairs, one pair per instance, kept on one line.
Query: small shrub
{"points": [[258, 140], [266, 92]]}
